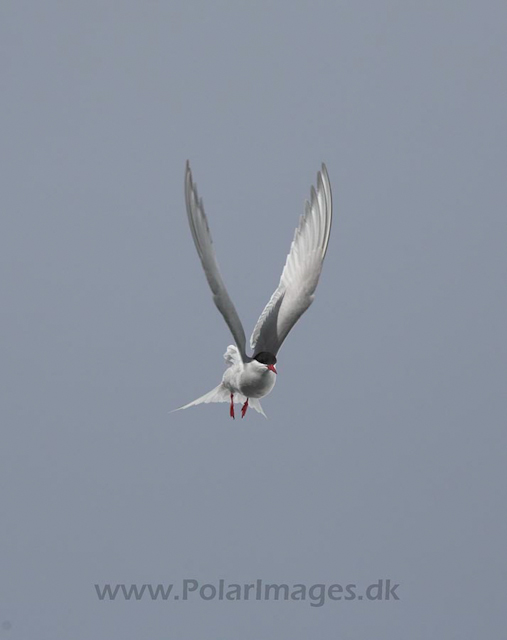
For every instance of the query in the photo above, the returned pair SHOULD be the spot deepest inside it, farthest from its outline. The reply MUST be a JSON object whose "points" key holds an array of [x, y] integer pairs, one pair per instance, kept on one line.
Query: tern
{"points": [[249, 378]]}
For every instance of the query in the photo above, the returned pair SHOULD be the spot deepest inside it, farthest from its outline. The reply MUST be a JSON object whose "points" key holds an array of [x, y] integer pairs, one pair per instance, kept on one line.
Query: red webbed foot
{"points": [[231, 410], [244, 408]]}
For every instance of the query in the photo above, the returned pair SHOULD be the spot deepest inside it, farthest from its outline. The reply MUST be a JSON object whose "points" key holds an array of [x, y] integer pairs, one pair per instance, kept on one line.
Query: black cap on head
{"points": [[264, 357]]}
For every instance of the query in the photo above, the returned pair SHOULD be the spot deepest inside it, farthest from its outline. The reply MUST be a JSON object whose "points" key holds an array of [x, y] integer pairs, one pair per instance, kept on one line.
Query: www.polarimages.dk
{"points": [[315, 594]]}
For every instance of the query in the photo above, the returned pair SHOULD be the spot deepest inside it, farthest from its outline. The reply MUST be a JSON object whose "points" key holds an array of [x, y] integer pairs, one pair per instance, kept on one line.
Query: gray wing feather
{"points": [[204, 245], [301, 273]]}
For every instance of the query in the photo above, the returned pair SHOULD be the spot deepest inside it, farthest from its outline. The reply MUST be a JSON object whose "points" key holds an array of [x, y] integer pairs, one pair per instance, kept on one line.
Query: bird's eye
{"points": [[264, 357]]}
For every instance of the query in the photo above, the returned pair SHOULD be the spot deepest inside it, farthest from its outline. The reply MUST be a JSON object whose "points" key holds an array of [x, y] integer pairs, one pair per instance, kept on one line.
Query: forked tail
{"points": [[218, 394], [222, 394]]}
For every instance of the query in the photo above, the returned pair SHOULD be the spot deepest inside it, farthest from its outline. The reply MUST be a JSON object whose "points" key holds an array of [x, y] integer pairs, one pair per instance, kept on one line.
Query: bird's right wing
{"points": [[301, 273], [204, 245]]}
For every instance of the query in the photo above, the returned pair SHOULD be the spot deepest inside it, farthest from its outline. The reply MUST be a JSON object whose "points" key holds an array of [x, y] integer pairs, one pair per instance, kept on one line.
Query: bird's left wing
{"points": [[204, 245], [301, 273]]}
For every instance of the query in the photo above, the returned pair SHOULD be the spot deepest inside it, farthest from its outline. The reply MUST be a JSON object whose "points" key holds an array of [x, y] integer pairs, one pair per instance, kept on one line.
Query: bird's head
{"points": [[266, 360]]}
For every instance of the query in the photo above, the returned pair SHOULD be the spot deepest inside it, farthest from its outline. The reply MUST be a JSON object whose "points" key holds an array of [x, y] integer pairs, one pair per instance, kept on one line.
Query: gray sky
{"points": [[384, 453]]}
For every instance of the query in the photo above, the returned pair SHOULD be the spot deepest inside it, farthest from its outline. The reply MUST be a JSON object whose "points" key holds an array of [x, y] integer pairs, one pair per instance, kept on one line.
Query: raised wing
{"points": [[204, 245], [301, 273]]}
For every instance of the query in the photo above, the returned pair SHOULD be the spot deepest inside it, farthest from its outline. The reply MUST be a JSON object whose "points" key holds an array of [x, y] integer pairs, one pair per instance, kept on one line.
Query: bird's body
{"points": [[250, 379], [246, 378], [241, 382]]}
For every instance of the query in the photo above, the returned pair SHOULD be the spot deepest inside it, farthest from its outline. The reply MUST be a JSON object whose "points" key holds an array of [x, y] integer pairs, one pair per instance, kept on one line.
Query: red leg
{"points": [[244, 408], [231, 410]]}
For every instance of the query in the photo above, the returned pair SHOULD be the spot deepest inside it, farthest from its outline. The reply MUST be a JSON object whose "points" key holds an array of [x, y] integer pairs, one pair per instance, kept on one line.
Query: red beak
{"points": [[271, 367]]}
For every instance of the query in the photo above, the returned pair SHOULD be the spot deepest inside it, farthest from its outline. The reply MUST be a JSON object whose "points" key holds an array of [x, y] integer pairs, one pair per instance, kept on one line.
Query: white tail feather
{"points": [[222, 394], [218, 394], [255, 404]]}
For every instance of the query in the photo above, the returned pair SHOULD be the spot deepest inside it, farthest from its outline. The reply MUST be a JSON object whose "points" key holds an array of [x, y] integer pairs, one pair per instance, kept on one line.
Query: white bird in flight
{"points": [[246, 378]]}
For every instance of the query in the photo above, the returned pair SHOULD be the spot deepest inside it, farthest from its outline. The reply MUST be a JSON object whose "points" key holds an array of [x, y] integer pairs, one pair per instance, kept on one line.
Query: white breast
{"points": [[255, 383]]}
